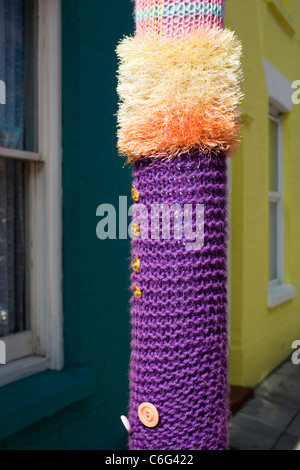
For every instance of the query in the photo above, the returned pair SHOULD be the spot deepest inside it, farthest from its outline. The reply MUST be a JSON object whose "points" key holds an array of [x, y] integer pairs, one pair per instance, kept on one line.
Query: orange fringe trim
{"points": [[165, 135]]}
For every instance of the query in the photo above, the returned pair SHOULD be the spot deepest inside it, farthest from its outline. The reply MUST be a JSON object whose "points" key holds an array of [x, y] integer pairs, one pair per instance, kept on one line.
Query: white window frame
{"points": [[280, 98], [41, 348], [277, 197]]}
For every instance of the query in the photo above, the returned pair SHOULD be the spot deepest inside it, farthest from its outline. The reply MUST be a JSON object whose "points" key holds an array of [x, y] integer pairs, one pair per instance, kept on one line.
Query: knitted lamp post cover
{"points": [[179, 88]]}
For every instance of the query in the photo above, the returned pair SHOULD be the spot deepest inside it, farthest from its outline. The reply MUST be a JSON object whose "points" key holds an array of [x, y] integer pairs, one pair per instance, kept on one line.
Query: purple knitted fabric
{"points": [[179, 325]]}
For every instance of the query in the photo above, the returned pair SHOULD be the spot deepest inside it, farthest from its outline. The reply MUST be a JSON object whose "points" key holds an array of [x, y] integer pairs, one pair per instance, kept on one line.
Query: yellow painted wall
{"points": [[261, 338]]}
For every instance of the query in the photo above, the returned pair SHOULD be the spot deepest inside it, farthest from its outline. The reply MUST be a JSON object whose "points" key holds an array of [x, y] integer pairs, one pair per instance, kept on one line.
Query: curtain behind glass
{"points": [[12, 211]]}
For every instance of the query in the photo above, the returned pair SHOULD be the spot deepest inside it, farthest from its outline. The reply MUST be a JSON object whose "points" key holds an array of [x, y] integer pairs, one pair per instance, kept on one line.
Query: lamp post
{"points": [[179, 88]]}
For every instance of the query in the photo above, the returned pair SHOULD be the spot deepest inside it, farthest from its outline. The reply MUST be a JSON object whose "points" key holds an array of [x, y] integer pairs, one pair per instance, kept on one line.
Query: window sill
{"points": [[30, 400], [279, 294], [22, 368]]}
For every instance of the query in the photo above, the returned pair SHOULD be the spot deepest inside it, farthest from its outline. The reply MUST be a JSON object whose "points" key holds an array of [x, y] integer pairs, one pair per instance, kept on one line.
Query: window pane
{"points": [[273, 241], [17, 63], [273, 155], [11, 67], [12, 247]]}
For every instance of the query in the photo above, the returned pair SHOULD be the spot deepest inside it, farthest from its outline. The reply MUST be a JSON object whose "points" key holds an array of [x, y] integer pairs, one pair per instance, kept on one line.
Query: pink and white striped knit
{"points": [[177, 17]]}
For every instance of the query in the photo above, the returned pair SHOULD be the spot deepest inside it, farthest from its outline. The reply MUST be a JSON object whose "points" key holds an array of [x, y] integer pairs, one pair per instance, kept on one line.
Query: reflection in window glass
{"points": [[273, 155], [273, 241], [12, 247], [11, 70]]}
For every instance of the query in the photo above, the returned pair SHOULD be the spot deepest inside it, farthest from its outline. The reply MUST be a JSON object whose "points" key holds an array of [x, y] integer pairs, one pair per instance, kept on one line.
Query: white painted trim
{"points": [[279, 88], [280, 294], [49, 334], [22, 368], [19, 154], [274, 196], [18, 345]]}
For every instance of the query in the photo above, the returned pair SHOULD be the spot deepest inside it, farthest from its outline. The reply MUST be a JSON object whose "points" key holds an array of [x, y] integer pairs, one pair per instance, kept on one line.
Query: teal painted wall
{"points": [[95, 273]]}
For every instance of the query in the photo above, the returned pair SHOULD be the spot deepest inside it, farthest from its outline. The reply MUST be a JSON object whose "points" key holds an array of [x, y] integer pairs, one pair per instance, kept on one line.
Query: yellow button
{"points": [[148, 414], [137, 292], [135, 194], [135, 230], [136, 264]]}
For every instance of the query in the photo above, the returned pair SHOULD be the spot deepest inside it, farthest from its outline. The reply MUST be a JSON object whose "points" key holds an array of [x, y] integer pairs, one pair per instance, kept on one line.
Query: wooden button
{"points": [[148, 415]]}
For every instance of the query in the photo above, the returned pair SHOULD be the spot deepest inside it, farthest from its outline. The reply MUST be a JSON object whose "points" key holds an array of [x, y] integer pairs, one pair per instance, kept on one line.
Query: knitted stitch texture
{"points": [[177, 17], [179, 331]]}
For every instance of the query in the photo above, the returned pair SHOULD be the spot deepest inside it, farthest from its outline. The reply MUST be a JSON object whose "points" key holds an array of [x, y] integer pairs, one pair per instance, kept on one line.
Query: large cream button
{"points": [[126, 423], [148, 414]]}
